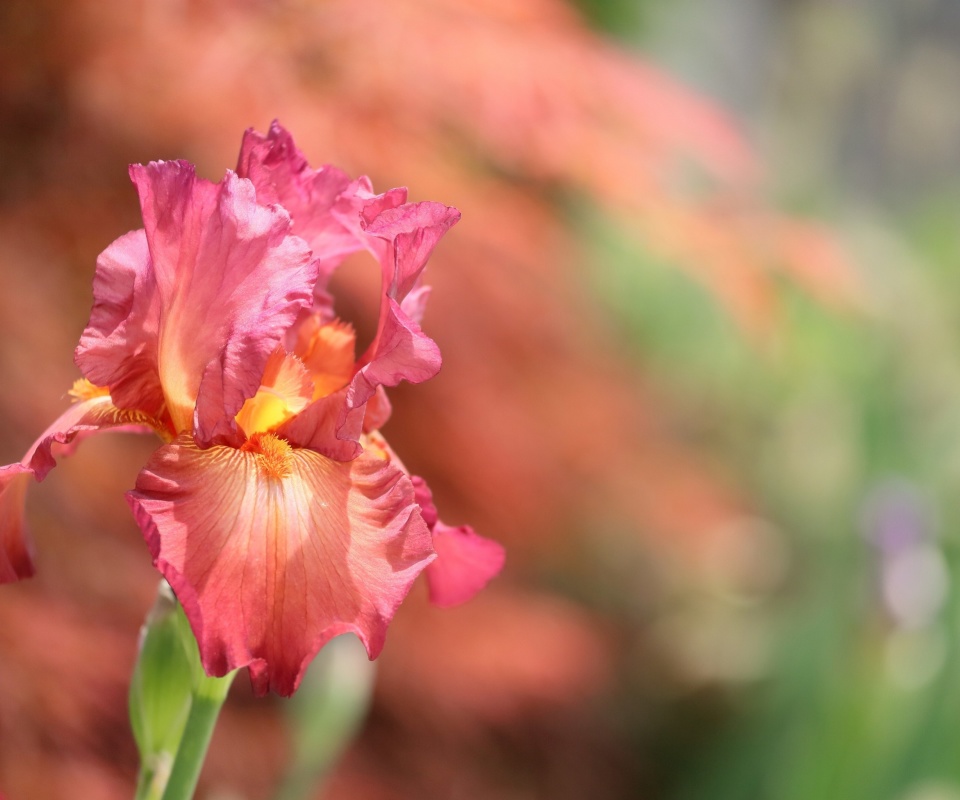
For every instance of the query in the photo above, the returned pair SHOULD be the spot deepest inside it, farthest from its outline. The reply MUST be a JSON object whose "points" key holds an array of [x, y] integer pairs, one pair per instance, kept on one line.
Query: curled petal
{"points": [[466, 562], [325, 426], [118, 349], [409, 233], [82, 419], [274, 550], [415, 304], [400, 352], [231, 280], [403, 238]]}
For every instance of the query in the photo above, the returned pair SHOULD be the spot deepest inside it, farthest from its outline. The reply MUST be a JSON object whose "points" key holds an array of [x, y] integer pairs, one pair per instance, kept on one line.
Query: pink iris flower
{"points": [[274, 507]]}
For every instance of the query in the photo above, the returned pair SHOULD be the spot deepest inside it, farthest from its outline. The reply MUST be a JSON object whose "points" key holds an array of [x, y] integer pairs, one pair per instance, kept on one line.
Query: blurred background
{"points": [[701, 329]]}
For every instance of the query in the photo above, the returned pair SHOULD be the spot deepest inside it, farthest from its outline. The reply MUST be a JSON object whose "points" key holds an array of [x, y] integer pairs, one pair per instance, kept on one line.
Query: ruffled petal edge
{"points": [[274, 550]]}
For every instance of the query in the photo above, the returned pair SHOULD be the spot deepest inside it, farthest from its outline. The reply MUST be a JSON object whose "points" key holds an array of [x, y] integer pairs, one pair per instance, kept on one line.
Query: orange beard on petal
{"points": [[274, 455], [83, 390]]}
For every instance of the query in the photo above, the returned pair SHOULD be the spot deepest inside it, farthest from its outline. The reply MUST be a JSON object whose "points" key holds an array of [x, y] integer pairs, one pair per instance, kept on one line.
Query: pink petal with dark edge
{"points": [[231, 280], [269, 565]]}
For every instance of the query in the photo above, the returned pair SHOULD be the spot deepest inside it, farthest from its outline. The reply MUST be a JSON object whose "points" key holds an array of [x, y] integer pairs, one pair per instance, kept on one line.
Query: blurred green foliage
{"points": [[829, 409], [622, 18], [829, 412]]}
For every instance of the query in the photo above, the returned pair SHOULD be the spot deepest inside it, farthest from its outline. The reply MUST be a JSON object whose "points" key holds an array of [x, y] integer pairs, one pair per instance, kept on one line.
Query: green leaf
{"points": [[161, 690]]}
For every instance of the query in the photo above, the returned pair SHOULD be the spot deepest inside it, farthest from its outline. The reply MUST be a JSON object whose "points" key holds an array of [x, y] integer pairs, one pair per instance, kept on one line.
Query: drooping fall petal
{"points": [[16, 551], [231, 280], [466, 562], [273, 550], [95, 412]]}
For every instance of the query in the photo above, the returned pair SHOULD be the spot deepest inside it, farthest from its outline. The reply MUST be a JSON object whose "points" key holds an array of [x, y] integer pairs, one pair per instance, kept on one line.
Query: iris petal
{"points": [[285, 390], [118, 348], [324, 203], [274, 550], [230, 279], [16, 550], [403, 237], [465, 564], [338, 217]]}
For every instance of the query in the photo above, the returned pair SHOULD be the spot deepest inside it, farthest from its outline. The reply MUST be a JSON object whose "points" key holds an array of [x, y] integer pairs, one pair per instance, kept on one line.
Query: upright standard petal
{"points": [[466, 562], [409, 233], [231, 280], [324, 203], [338, 217], [273, 550], [95, 412]]}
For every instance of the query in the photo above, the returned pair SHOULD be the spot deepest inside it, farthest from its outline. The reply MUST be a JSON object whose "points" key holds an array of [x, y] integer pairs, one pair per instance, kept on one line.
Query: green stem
{"points": [[192, 751]]}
